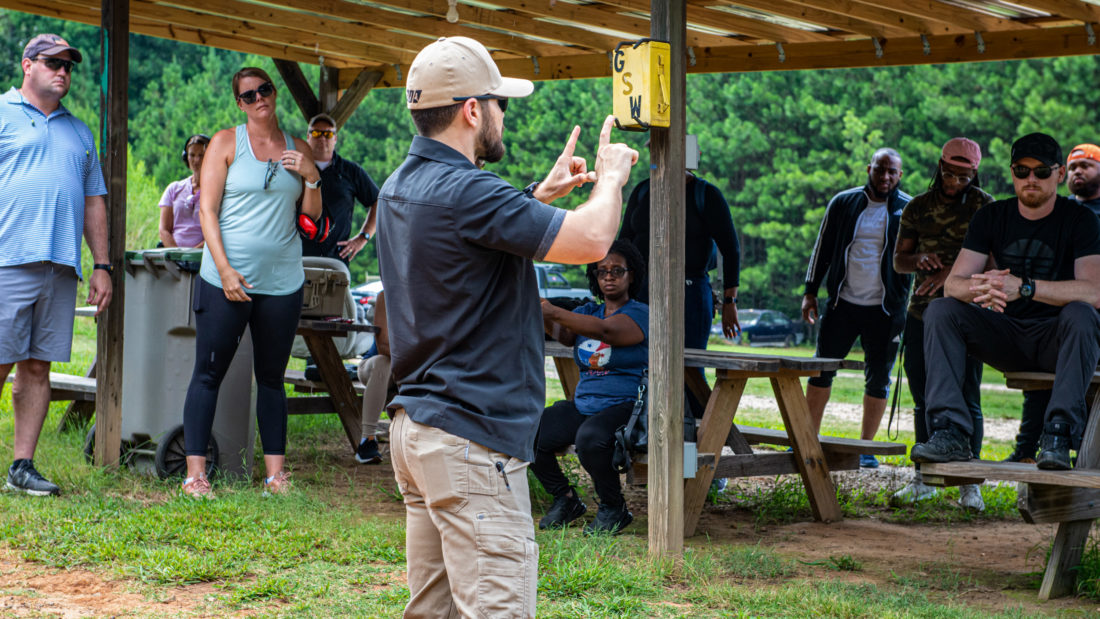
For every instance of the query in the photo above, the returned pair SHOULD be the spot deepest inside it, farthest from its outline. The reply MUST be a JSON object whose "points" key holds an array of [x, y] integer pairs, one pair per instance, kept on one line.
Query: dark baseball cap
{"points": [[50, 45], [1037, 146]]}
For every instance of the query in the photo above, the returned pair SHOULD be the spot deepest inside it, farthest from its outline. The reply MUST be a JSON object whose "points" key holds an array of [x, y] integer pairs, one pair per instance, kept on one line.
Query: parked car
{"points": [[759, 327], [553, 283]]}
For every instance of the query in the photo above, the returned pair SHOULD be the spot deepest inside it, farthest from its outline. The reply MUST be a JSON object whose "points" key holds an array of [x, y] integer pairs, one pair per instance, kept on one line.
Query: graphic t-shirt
{"points": [[862, 284], [1043, 249], [610, 375]]}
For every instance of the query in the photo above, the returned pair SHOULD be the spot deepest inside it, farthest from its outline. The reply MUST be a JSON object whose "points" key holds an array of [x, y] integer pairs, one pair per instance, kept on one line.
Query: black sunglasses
{"points": [[1042, 172], [53, 64], [249, 96], [502, 102], [616, 272], [272, 168]]}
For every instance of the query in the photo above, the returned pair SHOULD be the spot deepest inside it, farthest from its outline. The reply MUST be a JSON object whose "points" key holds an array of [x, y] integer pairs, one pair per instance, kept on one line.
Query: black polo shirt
{"points": [[342, 183], [455, 250]]}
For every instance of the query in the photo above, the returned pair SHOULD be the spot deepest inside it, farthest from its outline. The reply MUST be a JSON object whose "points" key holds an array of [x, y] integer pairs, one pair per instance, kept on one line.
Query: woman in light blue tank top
{"points": [[254, 178]]}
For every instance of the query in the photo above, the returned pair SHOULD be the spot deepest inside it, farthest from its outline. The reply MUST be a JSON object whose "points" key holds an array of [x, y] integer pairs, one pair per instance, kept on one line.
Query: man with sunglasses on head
{"points": [[52, 192], [853, 256], [1034, 310], [342, 183], [933, 225], [455, 249]]}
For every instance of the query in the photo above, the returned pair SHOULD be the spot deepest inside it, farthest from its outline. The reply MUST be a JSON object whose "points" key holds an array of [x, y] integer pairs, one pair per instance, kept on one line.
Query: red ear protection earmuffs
{"points": [[314, 230]]}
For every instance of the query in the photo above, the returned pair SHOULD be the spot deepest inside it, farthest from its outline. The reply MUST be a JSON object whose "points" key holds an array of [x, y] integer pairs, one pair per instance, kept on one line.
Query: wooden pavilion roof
{"points": [[566, 39]]}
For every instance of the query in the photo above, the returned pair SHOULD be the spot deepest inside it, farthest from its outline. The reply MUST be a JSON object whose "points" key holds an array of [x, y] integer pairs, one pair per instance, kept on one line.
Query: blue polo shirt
{"points": [[48, 165], [455, 250]]}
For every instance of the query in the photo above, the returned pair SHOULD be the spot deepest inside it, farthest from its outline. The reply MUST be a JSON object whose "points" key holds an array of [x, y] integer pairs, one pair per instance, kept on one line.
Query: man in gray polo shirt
{"points": [[455, 246], [51, 190]]}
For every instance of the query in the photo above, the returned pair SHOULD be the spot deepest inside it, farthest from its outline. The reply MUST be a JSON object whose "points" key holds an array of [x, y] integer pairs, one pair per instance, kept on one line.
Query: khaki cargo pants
{"points": [[470, 540]]}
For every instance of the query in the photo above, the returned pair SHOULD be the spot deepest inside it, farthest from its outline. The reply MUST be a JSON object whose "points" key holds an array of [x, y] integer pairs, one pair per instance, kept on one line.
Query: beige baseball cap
{"points": [[456, 68]]}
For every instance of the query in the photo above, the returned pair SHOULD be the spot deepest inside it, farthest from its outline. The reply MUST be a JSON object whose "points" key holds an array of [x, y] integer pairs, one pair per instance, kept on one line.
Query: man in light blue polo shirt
{"points": [[51, 191]]}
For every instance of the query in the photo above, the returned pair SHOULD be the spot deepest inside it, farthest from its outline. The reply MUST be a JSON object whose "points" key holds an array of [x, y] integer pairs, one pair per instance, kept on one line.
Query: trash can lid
{"points": [[140, 256]]}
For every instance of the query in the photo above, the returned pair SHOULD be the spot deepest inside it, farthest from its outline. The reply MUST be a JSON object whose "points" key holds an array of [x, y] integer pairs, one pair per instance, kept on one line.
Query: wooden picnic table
{"points": [[812, 457]]}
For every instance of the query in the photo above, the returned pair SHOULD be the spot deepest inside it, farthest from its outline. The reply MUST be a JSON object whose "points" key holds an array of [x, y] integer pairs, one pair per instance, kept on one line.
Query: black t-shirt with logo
{"points": [[1042, 249]]}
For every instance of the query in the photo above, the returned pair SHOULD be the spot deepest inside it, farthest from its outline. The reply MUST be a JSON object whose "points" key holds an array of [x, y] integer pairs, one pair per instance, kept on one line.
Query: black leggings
{"points": [[594, 437], [219, 325]]}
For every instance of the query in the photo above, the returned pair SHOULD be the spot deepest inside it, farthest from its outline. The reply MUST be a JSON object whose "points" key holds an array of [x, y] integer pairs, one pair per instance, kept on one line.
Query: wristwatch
{"points": [[1027, 288], [366, 237], [729, 300], [313, 185], [530, 189], [104, 267]]}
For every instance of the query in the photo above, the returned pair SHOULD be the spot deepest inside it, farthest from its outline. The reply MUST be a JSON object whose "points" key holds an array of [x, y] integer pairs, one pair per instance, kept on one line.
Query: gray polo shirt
{"points": [[455, 250]]}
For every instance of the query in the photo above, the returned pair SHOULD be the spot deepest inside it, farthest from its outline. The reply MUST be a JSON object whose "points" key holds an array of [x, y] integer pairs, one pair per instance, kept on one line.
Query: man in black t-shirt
{"points": [[342, 183], [1033, 311]]}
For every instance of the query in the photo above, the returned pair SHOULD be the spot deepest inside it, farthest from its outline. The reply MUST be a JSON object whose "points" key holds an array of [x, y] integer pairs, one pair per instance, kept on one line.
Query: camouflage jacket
{"points": [[938, 226]]}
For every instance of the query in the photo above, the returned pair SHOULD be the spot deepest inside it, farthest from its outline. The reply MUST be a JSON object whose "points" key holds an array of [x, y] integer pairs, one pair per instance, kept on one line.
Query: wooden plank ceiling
{"points": [[566, 39]]}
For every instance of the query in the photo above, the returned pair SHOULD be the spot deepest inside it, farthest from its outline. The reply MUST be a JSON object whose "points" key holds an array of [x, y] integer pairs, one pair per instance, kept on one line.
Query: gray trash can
{"points": [[158, 358]]}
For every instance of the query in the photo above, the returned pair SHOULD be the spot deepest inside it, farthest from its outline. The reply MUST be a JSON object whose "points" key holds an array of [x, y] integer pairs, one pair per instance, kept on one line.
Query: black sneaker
{"points": [[948, 444], [1054, 448], [611, 520], [367, 453], [26, 479], [1021, 454], [565, 509]]}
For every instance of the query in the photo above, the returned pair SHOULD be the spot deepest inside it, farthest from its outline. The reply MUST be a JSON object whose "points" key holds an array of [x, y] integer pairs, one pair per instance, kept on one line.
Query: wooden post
{"points": [[666, 294], [329, 89], [354, 95], [115, 44]]}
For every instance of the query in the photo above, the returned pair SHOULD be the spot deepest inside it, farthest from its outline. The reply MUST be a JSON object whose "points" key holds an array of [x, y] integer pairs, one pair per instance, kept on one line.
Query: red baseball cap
{"points": [[962, 152]]}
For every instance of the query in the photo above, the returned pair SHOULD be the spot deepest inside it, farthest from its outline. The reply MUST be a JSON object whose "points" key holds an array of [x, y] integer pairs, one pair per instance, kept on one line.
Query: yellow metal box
{"points": [[641, 84]]}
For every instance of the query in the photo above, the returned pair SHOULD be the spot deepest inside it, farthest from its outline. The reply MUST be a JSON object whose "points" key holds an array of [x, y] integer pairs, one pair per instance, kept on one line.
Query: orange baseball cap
{"points": [[1084, 151]]}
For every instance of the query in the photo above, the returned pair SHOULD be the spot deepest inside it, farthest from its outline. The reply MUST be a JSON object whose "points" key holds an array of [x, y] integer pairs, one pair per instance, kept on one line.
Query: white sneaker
{"points": [[970, 497], [914, 491]]}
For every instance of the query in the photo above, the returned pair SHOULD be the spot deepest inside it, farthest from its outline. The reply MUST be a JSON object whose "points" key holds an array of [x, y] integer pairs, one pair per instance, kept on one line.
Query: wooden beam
{"points": [[183, 34], [115, 49], [703, 15], [943, 12], [835, 21], [666, 250], [885, 16], [299, 88], [508, 21], [1073, 9], [601, 16], [354, 95], [433, 25], [328, 89]]}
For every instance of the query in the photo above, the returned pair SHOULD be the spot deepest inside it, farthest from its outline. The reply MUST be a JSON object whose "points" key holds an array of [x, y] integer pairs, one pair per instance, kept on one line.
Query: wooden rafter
{"points": [[955, 15], [835, 21], [1073, 9], [702, 15], [429, 27]]}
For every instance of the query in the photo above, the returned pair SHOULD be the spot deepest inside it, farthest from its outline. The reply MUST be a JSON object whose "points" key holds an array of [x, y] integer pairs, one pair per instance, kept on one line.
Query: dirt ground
{"points": [[993, 561]]}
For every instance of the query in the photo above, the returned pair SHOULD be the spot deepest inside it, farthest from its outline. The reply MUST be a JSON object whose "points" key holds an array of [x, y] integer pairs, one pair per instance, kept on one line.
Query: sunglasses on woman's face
{"points": [[1042, 172], [264, 91]]}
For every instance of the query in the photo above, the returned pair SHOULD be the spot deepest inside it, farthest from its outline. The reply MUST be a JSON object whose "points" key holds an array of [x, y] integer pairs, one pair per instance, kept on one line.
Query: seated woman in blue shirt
{"points": [[611, 345]]}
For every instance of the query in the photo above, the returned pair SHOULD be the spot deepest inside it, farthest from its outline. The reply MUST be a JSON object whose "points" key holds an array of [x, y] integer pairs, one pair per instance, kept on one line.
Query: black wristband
{"points": [[729, 300], [530, 189], [104, 267]]}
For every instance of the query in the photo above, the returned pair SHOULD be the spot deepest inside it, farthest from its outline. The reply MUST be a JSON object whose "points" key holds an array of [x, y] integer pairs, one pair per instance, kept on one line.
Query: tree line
{"points": [[778, 145]]}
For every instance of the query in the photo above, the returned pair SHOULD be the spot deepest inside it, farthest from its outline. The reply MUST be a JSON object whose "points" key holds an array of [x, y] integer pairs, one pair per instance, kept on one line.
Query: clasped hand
{"points": [[995, 289]]}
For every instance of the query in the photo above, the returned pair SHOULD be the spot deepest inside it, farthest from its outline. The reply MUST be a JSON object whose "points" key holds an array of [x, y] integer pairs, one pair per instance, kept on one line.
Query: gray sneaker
{"points": [[916, 490], [970, 497], [25, 478]]}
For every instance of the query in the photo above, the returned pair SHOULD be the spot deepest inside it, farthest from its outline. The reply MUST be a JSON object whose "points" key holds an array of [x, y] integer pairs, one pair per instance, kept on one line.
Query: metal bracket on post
{"points": [[535, 61], [782, 54], [878, 47], [691, 56], [397, 71], [981, 42], [926, 44], [1091, 33]]}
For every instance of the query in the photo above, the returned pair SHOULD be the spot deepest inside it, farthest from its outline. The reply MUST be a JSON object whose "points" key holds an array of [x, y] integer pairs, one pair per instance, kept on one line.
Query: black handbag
{"points": [[633, 436]]}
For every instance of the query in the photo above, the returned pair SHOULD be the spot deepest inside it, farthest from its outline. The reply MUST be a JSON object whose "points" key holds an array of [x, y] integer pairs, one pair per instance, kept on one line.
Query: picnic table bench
{"points": [[812, 456], [1071, 499]]}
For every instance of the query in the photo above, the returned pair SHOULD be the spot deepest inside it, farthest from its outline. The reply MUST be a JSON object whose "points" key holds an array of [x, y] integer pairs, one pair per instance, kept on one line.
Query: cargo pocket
{"points": [[507, 563]]}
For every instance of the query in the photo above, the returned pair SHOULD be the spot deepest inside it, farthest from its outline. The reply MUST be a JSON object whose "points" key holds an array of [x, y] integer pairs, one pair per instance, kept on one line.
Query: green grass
{"points": [[321, 552]]}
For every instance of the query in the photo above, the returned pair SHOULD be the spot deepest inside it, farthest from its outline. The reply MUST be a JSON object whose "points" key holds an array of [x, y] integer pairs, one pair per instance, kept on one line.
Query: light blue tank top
{"points": [[257, 225]]}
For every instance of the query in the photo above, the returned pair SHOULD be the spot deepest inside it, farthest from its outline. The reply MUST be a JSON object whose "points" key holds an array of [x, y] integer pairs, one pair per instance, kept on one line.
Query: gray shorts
{"points": [[37, 307]]}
